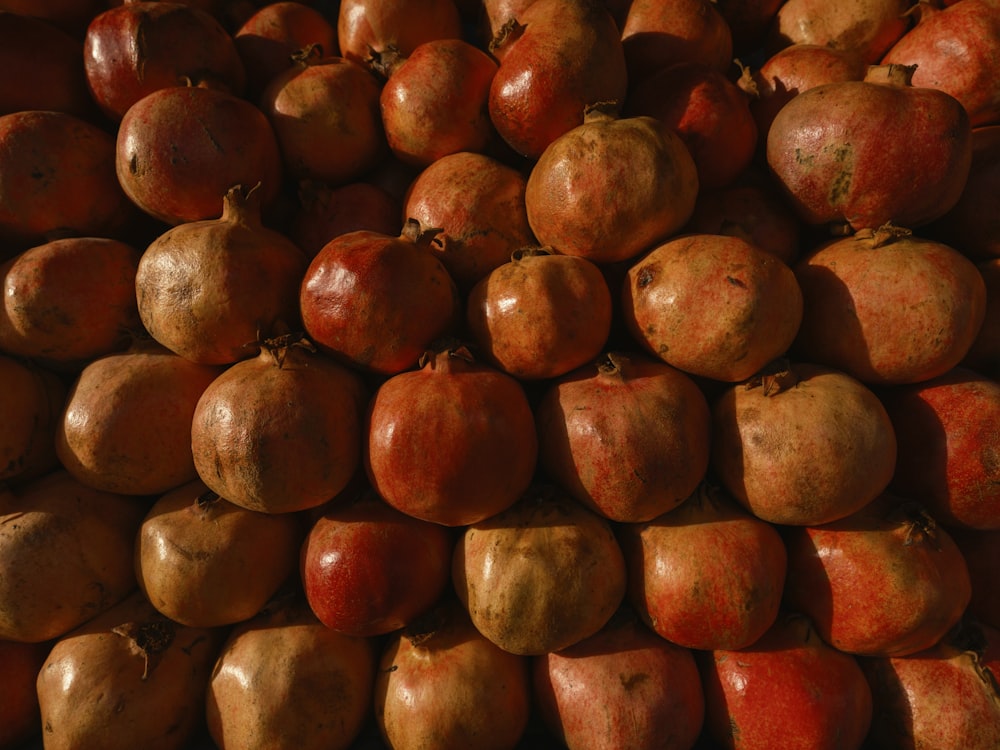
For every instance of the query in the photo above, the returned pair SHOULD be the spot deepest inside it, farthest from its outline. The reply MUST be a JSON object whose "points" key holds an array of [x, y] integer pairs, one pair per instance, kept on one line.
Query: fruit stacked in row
{"points": [[461, 374]]}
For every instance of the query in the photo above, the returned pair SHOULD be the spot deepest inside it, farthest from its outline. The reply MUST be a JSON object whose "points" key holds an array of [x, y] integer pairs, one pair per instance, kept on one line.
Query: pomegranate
{"points": [[66, 552], [802, 445], [128, 678], [180, 150], [435, 100], [378, 301], [660, 33], [283, 679], [714, 306], [888, 307], [364, 26], [268, 40], [611, 187], [707, 574], [31, 402], [541, 314], [138, 47], [441, 684], [866, 27], [940, 697], [970, 226], [885, 581], [955, 50], [709, 112], [556, 58], [71, 16], [792, 70], [20, 720], [57, 177], [452, 442], [624, 686], [948, 432], [126, 425], [368, 569], [908, 168], [478, 202], [325, 115], [753, 210], [627, 436], [789, 689], [280, 432], [70, 300], [325, 212], [540, 576], [209, 290], [205, 562], [47, 60]]}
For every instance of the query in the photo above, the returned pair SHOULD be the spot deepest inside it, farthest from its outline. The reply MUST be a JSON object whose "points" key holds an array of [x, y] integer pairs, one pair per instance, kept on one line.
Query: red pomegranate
{"points": [[888, 307], [32, 401], [908, 169], [887, 580], [135, 48], [556, 58], [627, 436], [452, 442], [706, 574], [364, 26], [478, 202], [378, 301], [789, 689], [711, 305], [635, 187], [955, 50], [541, 314]]}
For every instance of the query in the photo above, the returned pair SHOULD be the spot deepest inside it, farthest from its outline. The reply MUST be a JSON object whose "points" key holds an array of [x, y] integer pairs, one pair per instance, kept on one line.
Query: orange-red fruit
{"points": [[789, 690], [378, 301], [325, 114], [67, 555], [707, 574], [126, 425], [20, 719], [601, 692], [364, 26], [204, 562], [478, 202], [135, 48], [556, 58], [541, 314], [452, 442], [809, 449], [283, 679], [280, 432], [434, 102], [864, 153], [956, 50], [180, 149], [712, 305], [210, 290], [611, 187], [540, 576], [57, 175], [69, 301], [885, 581], [888, 307], [627, 436]]}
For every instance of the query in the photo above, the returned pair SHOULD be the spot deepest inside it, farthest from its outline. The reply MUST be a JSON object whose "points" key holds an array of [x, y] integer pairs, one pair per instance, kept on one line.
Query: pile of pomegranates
{"points": [[505, 374]]}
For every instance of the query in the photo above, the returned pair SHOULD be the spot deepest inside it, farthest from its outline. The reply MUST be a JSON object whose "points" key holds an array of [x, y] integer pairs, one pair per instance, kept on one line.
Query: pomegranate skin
{"points": [[866, 153], [556, 58], [956, 50]]}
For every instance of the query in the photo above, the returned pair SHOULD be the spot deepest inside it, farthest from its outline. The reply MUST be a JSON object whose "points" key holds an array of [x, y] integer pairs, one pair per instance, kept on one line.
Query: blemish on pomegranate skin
{"points": [[630, 682], [736, 282], [645, 277]]}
